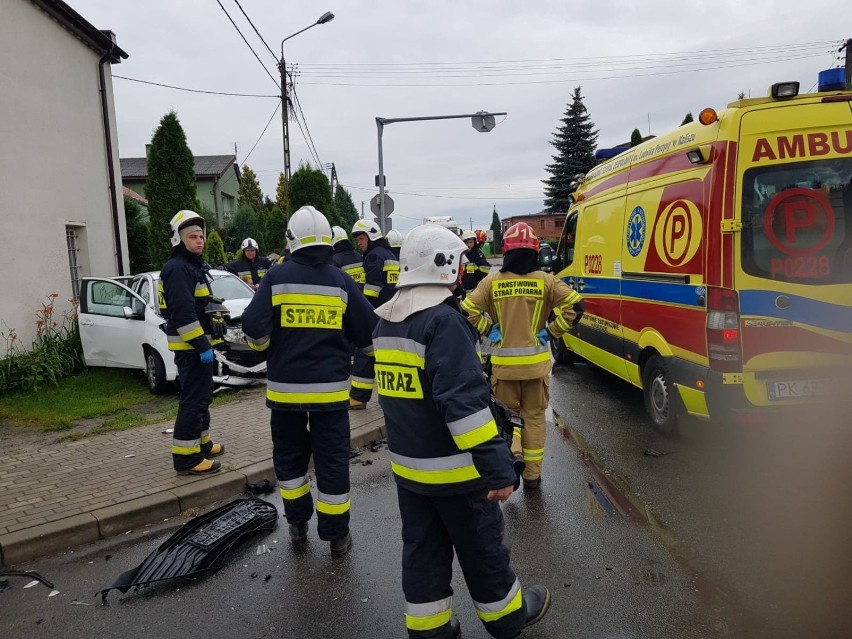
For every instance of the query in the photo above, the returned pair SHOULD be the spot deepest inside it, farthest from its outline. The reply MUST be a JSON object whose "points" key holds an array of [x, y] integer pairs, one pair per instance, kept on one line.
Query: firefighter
{"points": [[184, 294], [306, 313], [522, 297], [249, 267], [477, 267], [346, 258], [451, 467], [381, 270], [395, 241]]}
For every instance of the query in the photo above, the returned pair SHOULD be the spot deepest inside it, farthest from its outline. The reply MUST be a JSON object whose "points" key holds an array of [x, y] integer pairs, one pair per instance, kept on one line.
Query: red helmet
{"points": [[481, 237], [520, 236]]}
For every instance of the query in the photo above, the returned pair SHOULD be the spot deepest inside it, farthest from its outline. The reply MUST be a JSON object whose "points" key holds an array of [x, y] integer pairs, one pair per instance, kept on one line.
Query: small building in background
{"points": [[547, 225]]}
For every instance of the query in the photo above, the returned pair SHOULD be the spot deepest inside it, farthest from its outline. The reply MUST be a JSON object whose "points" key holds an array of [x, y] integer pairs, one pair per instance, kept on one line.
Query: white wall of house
{"points": [[53, 166]]}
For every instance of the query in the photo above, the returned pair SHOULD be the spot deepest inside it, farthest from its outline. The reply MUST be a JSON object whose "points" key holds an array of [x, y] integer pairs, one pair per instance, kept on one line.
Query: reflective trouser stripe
{"points": [[294, 488], [428, 616], [509, 604], [186, 446], [533, 454], [333, 504]]}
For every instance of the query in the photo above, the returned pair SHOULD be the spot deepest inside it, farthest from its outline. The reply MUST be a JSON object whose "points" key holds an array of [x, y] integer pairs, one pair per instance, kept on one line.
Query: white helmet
{"points": [[308, 227], [338, 233], [184, 218], [248, 244], [370, 228], [468, 235], [394, 238], [431, 254]]}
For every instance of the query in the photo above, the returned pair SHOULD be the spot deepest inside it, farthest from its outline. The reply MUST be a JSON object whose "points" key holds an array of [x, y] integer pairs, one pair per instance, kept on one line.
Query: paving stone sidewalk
{"points": [[55, 496]]}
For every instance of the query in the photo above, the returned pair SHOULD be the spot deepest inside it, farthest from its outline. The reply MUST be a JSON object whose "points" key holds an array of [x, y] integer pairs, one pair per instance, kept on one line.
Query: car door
{"points": [[112, 324]]}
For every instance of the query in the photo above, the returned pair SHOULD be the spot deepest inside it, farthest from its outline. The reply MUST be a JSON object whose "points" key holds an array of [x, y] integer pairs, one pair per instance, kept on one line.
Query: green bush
{"points": [[55, 352]]}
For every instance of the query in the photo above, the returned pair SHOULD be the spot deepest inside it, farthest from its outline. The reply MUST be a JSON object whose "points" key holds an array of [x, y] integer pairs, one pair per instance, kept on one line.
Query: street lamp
{"points": [[482, 121], [328, 16]]}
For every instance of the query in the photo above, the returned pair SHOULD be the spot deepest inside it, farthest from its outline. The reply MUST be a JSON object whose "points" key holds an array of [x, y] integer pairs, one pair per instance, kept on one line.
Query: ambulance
{"points": [[715, 262]]}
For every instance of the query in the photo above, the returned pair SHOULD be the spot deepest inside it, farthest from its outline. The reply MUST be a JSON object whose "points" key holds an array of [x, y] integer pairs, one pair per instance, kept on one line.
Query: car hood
{"points": [[236, 307]]}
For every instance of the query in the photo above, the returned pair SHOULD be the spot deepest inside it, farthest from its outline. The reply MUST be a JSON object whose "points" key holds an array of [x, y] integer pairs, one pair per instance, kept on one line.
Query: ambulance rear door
{"points": [[793, 254]]}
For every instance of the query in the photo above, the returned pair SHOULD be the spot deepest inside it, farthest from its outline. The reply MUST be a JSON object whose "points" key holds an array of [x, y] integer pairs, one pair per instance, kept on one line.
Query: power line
{"points": [[448, 197], [247, 44], [277, 106], [245, 15], [171, 86], [304, 119]]}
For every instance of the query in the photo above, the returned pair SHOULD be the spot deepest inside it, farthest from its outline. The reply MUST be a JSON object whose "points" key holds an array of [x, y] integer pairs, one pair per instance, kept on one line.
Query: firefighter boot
{"points": [[450, 630], [536, 604], [354, 404], [204, 467], [341, 545], [532, 484], [298, 533], [214, 451]]}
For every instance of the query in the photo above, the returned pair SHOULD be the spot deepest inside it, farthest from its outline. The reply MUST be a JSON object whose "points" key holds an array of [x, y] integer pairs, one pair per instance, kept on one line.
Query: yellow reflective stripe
{"points": [[396, 356], [476, 436], [259, 344], [202, 291], [428, 622], [307, 398], [186, 450], [213, 342], [514, 604], [295, 493], [520, 360], [333, 509], [562, 323], [308, 299], [364, 385], [180, 346], [191, 335], [533, 454], [369, 291], [451, 476], [469, 306], [569, 301], [516, 431], [535, 317]]}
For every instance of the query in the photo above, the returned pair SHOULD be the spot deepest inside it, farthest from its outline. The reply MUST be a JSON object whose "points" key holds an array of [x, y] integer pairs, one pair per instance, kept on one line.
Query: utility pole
{"points": [[284, 119], [848, 47]]}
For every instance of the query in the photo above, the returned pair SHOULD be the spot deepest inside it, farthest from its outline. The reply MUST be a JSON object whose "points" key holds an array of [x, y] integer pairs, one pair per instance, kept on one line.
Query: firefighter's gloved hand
{"points": [[544, 336], [495, 336], [207, 356]]}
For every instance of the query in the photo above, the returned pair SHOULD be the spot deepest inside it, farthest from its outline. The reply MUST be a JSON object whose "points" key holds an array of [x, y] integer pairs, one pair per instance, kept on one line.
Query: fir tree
{"points": [[171, 183], [282, 201], [244, 223], [276, 232], [575, 142], [310, 187], [214, 250], [345, 208], [138, 236], [497, 229], [635, 138], [249, 193], [687, 119]]}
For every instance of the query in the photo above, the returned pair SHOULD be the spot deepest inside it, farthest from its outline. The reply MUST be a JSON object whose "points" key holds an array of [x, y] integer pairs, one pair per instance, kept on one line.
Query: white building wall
{"points": [[53, 170]]}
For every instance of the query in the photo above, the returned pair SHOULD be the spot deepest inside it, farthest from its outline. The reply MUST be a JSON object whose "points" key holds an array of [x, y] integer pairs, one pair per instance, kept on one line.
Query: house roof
{"points": [[134, 195], [101, 41], [206, 166]]}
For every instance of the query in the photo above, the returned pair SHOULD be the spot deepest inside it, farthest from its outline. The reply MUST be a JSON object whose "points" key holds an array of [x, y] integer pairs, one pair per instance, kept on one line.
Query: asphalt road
{"points": [[610, 576], [762, 512]]}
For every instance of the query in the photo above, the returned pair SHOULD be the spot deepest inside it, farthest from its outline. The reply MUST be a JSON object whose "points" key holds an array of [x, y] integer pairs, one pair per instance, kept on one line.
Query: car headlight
{"points": [[235, 335]]}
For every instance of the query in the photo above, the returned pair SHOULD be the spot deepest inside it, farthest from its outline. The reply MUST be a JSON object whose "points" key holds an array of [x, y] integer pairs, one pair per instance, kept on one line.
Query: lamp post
{"points": [[328, 16], [482, 121]]}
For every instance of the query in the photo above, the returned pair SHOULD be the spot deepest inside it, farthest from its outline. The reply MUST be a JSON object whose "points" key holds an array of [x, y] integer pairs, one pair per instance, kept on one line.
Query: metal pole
{"points": [[849, 63], [284, 120], [380, 126]]}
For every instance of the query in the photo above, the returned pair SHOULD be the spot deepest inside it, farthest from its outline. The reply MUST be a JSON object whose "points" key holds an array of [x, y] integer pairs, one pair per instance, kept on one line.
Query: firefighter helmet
{"points": [[431, 254], [481, 237], [308, 227], [371, 229], [248, 244], [394, 238], [338, 234], [520, 236], [468, 235], [182, 219]]}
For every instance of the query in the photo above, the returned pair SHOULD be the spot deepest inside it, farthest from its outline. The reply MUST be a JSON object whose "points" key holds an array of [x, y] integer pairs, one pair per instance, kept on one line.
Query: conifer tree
{"points": [[171, 183], [497, 229], [635, 138], [575, 140], [214, 249], [138, 236], [310, 187], [346, 210], [249, 193], [282, 200]]}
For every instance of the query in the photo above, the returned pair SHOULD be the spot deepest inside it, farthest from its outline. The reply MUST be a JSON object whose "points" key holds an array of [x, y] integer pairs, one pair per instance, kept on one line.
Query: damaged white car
{"points": [[120, 327]]}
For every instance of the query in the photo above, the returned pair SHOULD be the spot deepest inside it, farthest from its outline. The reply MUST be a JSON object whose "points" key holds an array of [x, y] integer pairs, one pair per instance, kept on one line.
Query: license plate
{"points": [[797, 388]]}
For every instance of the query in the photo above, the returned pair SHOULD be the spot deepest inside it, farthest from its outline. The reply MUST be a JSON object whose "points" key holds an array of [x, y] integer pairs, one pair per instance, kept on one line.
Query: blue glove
{"points": [[543, 336], [207, 356], [495, 335]]}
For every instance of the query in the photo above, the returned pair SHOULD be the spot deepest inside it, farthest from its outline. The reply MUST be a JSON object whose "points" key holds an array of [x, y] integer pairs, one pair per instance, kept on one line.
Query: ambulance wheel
{"points": [[155, 371], [561, 353], [659, 393]]}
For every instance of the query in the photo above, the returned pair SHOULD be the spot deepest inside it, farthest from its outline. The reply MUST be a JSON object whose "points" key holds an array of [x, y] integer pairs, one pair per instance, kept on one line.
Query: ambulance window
{"points": [[566, 243], [797, 222]]}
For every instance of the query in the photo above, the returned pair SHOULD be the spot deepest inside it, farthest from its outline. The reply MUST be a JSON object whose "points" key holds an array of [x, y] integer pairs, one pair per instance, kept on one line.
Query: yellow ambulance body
{"points": [[716, 261]]}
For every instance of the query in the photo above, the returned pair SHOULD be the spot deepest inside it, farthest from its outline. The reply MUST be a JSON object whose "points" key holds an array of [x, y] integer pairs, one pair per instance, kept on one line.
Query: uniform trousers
{"points": [[191, 439], [298, 435], [529, 397]]}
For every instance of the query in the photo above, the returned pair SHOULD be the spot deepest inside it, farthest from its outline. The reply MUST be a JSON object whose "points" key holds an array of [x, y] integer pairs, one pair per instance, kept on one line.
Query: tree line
{"points": [[171, 187]]}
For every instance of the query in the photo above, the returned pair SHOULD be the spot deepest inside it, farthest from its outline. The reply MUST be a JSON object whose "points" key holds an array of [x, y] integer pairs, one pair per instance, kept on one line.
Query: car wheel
{"points": [[155, 371], [660, 396]]}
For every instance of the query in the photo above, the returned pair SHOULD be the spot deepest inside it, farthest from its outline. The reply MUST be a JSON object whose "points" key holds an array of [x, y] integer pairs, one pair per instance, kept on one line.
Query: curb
{"points": [[85, 528]]}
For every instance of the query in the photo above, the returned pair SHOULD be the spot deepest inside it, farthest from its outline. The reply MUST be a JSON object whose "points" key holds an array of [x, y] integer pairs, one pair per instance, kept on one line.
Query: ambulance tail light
{"points": [[723, 330]]}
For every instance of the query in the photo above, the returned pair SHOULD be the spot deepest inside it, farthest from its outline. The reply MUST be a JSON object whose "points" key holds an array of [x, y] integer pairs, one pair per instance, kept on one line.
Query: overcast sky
{"points": [[640, 64]]}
